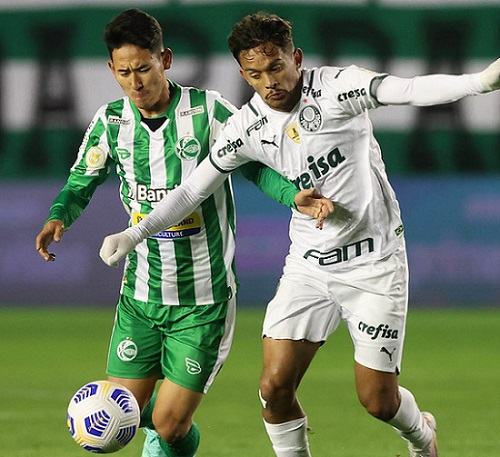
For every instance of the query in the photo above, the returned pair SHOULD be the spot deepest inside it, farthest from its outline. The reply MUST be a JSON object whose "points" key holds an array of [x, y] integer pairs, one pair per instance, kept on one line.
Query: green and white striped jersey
{"points": [[193, 262]]}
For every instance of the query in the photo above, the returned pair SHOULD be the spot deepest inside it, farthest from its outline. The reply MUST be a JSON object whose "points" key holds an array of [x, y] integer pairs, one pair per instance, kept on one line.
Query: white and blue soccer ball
{"points": [[103, 417]]}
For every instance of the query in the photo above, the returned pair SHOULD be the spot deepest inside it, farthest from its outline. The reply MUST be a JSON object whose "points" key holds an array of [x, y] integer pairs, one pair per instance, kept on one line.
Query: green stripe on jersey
{"points": [[185, 278], [154, 271], [209, 209], [221, 113]]}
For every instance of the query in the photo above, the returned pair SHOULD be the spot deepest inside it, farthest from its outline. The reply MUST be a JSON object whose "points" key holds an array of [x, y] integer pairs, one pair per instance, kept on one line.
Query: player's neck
{"points": [[160, 107]]}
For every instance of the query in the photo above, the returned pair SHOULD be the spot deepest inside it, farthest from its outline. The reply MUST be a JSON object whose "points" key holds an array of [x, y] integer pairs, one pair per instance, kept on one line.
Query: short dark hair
{"points": [[257, 29], [134, 27]]}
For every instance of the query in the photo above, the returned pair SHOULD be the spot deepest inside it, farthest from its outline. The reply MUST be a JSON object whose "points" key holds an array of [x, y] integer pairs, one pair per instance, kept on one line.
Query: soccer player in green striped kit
{"points": [[175, 316]]}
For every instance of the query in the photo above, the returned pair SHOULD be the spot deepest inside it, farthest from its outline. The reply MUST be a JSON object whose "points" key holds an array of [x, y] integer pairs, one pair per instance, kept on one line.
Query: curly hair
{"points": [[257, 29]]}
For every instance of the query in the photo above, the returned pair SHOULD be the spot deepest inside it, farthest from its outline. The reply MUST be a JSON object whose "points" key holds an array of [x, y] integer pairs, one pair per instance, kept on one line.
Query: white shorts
{"points": [[371, 299]]}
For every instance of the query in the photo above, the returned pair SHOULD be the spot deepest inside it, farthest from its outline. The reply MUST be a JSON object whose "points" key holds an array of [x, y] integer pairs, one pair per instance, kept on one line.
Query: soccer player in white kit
{"points": [[312, 126]]}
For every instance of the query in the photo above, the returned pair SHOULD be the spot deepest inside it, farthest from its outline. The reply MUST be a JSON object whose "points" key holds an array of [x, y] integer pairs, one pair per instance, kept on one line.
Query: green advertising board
{"points": [[54, 72]]}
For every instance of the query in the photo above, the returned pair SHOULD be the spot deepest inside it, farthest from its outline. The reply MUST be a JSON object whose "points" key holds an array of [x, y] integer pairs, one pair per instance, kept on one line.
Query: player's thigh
{"points": [[374, 303], [198, 343], [141, 388], [285, 363], [302, 308], [136, 343]]}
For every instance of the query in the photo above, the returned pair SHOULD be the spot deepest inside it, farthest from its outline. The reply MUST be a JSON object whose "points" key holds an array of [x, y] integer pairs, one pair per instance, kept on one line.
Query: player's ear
{"points": [[298, 56], [167, 57]]}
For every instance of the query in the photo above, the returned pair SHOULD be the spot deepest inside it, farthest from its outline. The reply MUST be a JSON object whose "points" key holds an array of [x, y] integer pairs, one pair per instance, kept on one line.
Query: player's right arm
{"points": [[90, 169], [67, 207], [52, 231]]}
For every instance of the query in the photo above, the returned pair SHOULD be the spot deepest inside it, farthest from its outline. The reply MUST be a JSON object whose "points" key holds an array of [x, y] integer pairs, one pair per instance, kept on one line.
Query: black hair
{"points": [[134, 27], [257, 29]]}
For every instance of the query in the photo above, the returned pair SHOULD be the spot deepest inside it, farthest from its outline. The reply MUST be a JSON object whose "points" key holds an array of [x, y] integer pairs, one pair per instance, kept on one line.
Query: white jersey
{"points": [[326, 142]]}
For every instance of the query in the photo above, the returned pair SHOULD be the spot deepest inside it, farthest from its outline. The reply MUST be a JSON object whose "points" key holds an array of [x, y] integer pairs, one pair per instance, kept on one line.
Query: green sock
{"points": [[183, 448], [147, 414]]}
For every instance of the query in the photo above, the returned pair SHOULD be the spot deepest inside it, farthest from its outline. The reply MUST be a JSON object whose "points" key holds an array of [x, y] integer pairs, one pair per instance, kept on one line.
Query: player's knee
{"points": [[171, 429], [275, 391], [381, 408]]}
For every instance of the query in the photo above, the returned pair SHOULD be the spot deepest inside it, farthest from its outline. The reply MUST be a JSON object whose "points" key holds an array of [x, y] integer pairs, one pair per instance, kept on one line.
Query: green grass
{"points": [[451, 364]]}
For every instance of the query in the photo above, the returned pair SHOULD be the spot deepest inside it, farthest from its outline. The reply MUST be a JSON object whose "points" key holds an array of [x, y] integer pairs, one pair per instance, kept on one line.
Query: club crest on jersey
{"points": [[127, 350], [95, 158], [310, 118], [187, 148]]}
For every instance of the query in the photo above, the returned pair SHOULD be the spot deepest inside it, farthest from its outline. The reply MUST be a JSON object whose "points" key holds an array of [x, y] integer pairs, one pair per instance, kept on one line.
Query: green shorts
{"points": [[185, 344]]}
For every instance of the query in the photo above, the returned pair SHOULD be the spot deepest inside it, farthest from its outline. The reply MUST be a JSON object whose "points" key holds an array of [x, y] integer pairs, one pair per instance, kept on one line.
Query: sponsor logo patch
{"points": [[192, 111], [355, 93], [193, 366], [319, 167], [191, 225], [310, 91], [95, 158], [231, 147], [379, 331], [341, 254], [390, 352], [118, 120], [123, 153], [257, 125]]}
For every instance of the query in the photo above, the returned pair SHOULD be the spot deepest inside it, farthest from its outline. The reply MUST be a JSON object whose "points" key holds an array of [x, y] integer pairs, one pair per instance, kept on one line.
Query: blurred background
{"points": [[444, 162]]}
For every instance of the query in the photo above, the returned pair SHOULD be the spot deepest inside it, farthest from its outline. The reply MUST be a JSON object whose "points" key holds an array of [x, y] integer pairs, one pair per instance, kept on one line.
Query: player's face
{"points": [[141, 75], [274, 73]]}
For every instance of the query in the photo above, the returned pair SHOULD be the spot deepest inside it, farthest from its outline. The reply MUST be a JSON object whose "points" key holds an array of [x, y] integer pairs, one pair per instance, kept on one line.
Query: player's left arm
{"points": [[436, 89], [270, 182]]}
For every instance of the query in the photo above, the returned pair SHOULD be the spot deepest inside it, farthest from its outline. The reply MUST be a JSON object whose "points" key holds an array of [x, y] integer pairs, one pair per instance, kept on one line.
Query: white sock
{"points": [[289, 439], [410, 423]]}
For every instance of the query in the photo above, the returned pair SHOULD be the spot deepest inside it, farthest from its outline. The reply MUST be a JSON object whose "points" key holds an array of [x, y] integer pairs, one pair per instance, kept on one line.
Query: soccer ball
{"points": [[103, 416]]}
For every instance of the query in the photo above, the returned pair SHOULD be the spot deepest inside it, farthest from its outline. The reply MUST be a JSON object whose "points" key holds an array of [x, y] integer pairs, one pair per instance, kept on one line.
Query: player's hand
{"points": [[490, 77], [312, 203], [115, 247], [52, 231]]}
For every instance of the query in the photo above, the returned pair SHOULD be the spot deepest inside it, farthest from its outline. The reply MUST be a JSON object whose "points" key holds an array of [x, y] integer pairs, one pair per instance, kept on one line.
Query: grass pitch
{"points": [[451, 364]]}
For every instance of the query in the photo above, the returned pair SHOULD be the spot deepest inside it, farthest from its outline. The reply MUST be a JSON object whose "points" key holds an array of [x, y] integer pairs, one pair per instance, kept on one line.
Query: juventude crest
{"points": [[187, 148]]}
